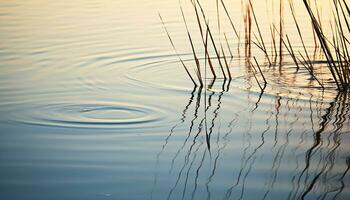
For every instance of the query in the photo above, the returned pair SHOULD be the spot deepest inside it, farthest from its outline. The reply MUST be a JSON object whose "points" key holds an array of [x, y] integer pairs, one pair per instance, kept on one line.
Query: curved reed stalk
{"points": [[335, 48]]}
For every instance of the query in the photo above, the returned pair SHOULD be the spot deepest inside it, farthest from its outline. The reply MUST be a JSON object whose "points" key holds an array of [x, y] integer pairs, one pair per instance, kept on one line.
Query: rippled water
{"points": [[95, 105]]}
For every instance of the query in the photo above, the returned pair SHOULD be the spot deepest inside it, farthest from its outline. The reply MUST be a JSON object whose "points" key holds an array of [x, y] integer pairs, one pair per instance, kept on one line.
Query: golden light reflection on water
{"points": [[95, 103]]}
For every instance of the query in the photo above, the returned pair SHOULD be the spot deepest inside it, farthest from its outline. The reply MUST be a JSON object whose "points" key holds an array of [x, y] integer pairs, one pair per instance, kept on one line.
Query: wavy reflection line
{"points": [[195, 116], [278, 105], [325, 120], [281, 150], [229, 191], [220, 149], [197, 175], [186, 160], [253, 154], [294, 177], [341, 179], [329, 159], [189, 169], [337, 114], [189, 152], [243, 164], [259, 99], [339, 108], [208, 137], [299, 145], [317, 137], [245, 177], [215, 113], [344, 104], [182, 120], [214, 165], [205, 118], [224, 144], [200, 127]]}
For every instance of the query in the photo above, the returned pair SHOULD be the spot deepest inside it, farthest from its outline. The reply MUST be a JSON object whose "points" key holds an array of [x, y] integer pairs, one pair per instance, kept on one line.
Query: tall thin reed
{"points": [[172, 44], [204, 42], [263, 47], [198, 70], [334, 48], [337, 65]]}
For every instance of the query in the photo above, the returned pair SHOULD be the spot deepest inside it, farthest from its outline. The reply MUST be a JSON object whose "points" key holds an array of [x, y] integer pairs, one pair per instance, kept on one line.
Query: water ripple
{"points": [[102, 115]]}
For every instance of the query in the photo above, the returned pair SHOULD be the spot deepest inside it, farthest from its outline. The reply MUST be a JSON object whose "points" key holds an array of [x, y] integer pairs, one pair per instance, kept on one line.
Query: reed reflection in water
{"points": [[94, 104], [296, 153]]}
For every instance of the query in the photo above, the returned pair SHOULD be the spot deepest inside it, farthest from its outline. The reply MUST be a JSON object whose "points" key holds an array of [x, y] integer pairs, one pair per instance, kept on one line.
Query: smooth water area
{"points": [[94, 104]]}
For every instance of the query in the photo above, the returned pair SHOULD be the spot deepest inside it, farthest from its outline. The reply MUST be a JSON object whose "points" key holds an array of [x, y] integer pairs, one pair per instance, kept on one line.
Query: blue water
{"points": [[94, 104]]}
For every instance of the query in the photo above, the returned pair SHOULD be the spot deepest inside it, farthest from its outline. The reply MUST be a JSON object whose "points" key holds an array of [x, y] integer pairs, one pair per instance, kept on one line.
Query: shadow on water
{"points": [[295, 153]]}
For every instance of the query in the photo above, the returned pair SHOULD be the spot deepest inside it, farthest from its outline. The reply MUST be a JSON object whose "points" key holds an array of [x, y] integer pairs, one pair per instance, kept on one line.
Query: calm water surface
{"points": [[95, 104]]}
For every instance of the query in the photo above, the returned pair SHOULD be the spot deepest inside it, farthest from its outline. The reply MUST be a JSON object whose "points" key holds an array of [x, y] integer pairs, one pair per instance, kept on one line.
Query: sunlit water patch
{"points": [[101, 115], [95, 104]]}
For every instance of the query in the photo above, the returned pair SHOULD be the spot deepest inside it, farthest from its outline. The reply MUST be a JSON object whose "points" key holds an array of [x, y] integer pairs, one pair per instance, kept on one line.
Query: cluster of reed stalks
{"points": [[334, 46], [335, 49], [208, 41]]}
